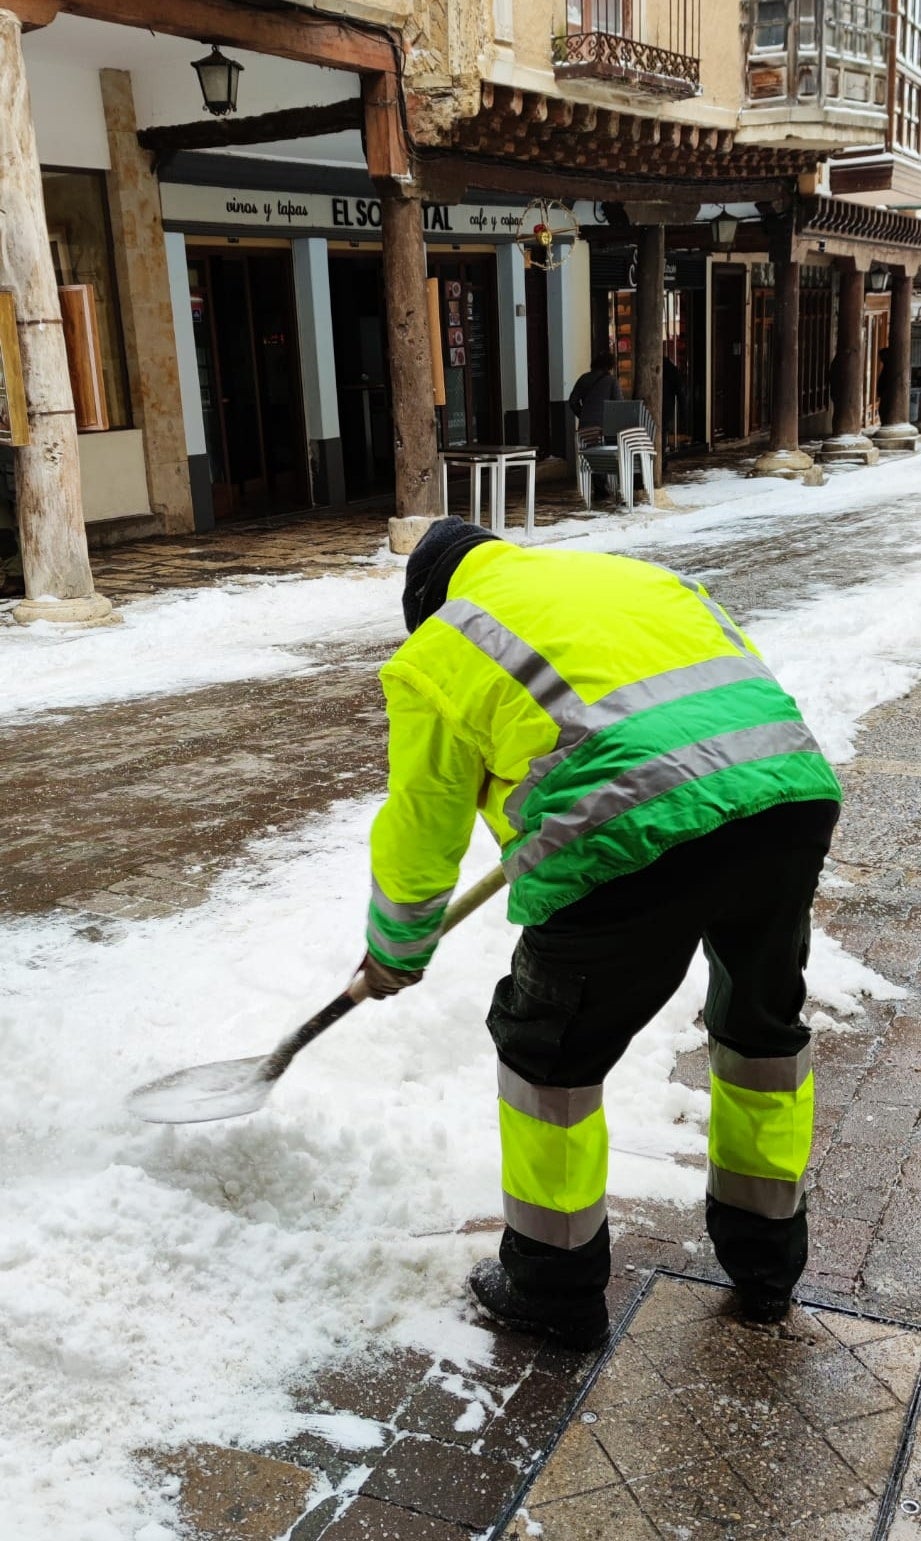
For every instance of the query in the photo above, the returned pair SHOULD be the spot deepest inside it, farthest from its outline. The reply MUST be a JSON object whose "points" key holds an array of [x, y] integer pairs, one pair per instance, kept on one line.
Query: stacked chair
{"points": [[594, 458], [631, 424], [623, 445]]}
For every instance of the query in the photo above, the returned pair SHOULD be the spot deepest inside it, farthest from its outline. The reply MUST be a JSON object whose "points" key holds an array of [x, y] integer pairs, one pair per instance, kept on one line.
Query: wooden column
{"points": [[785, 382], [847, 364], [898, 431], [52, 535], [784, 458], [847, 441], [650, 301], [146, 308], [413, 403]]}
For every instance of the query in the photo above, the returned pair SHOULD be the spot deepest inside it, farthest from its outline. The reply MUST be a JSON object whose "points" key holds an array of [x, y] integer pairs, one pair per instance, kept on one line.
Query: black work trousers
{"points": [[584, 982]]}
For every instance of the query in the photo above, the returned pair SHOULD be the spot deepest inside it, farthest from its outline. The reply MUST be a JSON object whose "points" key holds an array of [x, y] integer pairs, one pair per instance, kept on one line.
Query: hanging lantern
{"points": [[218, 78]]}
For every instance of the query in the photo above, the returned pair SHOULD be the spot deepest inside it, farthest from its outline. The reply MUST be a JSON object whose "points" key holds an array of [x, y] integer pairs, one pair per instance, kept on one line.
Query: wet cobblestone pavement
{"points": [[692, 1426]]}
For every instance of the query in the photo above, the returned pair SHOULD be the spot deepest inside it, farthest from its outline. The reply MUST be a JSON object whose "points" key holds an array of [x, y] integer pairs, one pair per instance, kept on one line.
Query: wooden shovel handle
{"points": [[277, 1062]]}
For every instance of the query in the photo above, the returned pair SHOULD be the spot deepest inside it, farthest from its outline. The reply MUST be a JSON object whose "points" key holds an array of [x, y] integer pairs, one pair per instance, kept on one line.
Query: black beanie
{"points": [[435, 559]]}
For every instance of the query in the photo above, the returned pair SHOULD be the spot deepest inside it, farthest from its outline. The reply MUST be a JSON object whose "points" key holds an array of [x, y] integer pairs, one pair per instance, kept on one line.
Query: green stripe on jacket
{"points": [[647, 735], [639, 836]]}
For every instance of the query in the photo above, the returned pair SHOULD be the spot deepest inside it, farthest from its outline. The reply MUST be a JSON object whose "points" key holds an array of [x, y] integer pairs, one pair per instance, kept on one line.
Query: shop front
{"points": [[242, 306], [684, 332], [288, 313]]}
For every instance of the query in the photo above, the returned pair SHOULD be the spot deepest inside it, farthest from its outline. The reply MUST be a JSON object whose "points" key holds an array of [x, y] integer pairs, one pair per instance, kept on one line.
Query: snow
{"points": [[162, 1285]]}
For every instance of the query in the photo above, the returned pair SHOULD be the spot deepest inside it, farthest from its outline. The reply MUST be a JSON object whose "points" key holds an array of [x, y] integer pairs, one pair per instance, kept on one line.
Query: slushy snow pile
{"points": [[165, 1285]]}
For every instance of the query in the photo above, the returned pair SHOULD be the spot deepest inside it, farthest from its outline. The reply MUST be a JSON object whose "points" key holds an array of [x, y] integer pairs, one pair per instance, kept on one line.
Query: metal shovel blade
{"points": [[231, 1087], [224, 1089]]}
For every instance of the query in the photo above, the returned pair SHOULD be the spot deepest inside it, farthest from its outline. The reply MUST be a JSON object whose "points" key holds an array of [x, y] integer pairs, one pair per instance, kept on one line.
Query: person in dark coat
{"points": [[590, 392]]}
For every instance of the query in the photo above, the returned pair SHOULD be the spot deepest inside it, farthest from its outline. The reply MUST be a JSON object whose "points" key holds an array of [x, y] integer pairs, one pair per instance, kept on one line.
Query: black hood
{"points": [[430, 568]]}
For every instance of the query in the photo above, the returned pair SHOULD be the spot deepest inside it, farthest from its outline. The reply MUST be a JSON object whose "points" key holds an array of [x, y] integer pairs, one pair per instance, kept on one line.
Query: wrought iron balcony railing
{"points": [[598, 45]]}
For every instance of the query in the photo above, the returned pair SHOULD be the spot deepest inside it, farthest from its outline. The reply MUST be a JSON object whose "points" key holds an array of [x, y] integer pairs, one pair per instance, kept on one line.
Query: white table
{"points": [[495, 459]]}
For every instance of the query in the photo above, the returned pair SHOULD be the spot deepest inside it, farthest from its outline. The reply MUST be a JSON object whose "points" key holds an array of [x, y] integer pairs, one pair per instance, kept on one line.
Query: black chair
{"points": [[618, 415]]}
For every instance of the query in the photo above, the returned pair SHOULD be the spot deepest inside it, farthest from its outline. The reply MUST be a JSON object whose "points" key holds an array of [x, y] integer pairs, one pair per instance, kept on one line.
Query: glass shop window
{"points": [[81, 250]]}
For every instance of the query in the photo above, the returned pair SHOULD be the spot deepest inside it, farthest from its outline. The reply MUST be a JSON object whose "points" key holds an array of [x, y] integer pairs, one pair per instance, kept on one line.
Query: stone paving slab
{"points": [[234, 1495], [702, 1428]]}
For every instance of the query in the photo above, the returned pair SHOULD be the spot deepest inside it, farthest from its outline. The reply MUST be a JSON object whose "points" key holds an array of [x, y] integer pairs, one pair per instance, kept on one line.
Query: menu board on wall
{"points": [[14, 418], [84, 358], [457, 342]]}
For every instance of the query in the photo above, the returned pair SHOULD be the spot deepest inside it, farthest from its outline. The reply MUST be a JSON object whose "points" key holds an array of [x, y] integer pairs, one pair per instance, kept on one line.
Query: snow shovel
{"points": [[231, 1087]]}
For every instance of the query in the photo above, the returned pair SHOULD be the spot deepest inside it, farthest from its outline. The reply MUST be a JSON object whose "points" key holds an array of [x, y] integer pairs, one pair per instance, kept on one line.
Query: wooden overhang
{"points": [[843, 229], [280, 29], [527, 142]]}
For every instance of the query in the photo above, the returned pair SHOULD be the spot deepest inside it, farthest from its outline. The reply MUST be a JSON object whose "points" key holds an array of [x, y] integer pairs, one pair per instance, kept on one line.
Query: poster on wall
{"points": [[457, 341], [14, 419]]}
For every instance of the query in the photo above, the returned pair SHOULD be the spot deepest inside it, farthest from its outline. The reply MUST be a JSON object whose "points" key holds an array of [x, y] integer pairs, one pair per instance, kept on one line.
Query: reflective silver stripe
{"points": [[726, 625], [402, 949], [408, 914], [564, 1106], [782, 1073], [576, 719], [653, 778], [769, 1196], [552, 1226], [658, 690], [506, 649]]}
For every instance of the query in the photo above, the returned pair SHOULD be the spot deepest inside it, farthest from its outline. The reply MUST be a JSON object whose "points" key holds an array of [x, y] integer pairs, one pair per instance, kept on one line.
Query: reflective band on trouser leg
{"points": [[554, 1160], [760, 1130]]}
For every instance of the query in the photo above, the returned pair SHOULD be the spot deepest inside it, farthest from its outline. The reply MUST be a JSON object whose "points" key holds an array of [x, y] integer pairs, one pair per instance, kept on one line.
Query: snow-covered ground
{"points": [[161, 1285]]}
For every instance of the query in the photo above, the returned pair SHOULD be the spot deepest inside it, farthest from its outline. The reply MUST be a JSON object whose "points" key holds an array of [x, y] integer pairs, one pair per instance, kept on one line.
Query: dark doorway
{"points": [[535, 294], [362, 372], [248, 369], [469, 332], [728, 352]]}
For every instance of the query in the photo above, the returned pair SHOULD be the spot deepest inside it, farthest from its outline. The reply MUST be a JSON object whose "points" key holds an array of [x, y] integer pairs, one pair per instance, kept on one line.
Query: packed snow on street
{"points": [[169, 1285]]}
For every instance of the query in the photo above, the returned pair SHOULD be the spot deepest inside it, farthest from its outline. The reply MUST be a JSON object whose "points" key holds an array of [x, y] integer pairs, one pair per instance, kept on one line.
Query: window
{"points": [[771, 24], [81, 250], [611, 16]]}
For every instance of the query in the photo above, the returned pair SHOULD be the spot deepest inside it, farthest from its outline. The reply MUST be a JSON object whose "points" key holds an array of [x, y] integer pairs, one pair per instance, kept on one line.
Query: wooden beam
{"points": [[386, 150], [600, 184], [294, 33], [34, 13], [264, 128]]}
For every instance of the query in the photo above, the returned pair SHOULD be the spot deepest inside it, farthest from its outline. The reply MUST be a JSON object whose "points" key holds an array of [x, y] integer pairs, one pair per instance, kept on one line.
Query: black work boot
{"points": [[762, 1306], [494, 1294]]}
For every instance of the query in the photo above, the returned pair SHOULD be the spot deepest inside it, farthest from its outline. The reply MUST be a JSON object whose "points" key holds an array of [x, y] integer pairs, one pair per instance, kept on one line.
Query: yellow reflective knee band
{"points": [[761, 1113], [554, 1160]]}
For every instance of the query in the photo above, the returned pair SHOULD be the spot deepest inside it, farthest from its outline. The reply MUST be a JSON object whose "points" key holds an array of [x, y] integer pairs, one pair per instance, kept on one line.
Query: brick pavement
{"points": [[650, 1452]]}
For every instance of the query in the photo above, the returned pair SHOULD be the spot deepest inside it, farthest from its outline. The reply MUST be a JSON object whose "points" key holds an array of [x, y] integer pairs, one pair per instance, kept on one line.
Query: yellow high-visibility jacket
{"points": [[596, 709]]}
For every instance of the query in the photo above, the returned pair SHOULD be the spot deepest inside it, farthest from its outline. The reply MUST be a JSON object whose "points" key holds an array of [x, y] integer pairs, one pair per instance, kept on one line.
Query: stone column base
{"points": [[782, 462], [406, 533], [897, 436], [853, 447], [91, 611]]}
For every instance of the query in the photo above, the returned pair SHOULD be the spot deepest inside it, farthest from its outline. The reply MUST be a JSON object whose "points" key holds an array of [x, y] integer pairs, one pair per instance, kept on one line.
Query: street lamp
{"points": [[723, 230], [218, 78], [879, 280]]}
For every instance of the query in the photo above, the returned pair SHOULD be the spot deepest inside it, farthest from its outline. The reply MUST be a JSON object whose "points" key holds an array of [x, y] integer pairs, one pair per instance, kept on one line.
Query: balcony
{"points": [[599, 45], [824, 61]]}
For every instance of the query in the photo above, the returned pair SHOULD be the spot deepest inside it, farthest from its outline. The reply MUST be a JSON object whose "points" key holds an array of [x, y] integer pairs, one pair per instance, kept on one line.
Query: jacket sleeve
{"points": [[421, 833]]}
